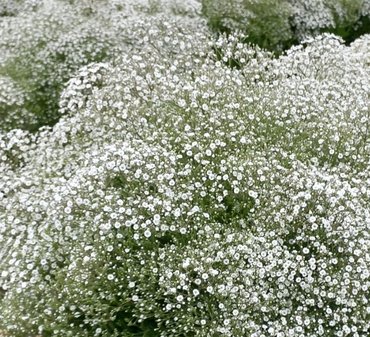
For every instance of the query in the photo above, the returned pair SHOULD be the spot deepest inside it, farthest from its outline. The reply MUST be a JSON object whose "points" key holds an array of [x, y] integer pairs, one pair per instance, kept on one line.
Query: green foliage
{"points": [[9, 8], [278, 24], [266, 23]]}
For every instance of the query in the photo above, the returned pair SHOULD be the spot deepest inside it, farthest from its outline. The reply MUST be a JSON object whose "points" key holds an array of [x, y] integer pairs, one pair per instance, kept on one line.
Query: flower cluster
{"points": [[16, 7], [193, 186], [42, 56], [50, 48]]}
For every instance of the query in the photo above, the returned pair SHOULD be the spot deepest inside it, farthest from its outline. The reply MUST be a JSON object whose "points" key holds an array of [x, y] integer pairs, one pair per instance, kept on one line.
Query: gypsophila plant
{"points": [[193, 185], [44, 55], [16, 7], [51, 47]]}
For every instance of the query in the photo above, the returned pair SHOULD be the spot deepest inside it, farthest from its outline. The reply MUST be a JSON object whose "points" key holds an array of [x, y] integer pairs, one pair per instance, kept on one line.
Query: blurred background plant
{"points": [[278, 24], [50, 47]]}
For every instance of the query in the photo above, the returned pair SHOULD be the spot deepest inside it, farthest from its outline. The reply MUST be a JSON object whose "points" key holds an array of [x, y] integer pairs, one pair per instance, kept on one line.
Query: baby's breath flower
{"points": [[194, 185]]}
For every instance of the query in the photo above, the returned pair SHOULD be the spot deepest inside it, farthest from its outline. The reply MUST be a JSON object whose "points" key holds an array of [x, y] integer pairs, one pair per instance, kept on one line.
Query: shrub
{"points": [[178, 196], [45, 55], [51, 47]]}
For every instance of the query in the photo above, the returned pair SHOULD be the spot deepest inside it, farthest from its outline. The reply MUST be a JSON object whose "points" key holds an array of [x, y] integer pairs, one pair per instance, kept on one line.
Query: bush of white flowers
{"points": [[42, 56], [15, 7], [45, 53], [193, 186], [277, 24]]}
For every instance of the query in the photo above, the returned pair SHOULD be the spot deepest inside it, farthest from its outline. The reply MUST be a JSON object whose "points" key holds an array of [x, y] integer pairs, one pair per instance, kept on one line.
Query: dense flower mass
{"points": [[170, 182], [50, 47]]}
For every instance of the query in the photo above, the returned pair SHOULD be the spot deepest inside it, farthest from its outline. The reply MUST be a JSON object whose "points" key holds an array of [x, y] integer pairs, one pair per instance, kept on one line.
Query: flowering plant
{"points": [[193, 185]]}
